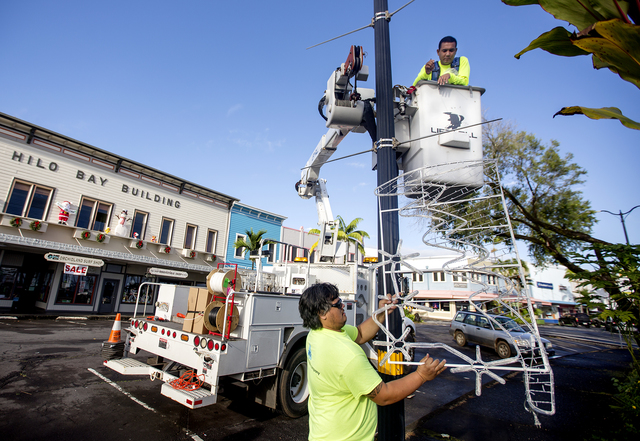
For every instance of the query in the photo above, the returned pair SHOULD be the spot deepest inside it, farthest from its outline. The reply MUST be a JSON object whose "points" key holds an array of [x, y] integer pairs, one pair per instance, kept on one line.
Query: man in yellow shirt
{"points": [[344, 387], [449, 69]]}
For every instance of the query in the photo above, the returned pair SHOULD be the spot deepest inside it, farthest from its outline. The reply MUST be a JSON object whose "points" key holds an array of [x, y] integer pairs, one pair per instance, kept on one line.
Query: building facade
{"points": [[244, 218], [551, 293], [82, 228]]}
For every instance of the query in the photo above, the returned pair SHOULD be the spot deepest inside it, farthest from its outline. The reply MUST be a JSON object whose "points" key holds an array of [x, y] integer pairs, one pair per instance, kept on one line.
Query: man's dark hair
{"points": [[447, 39], [314, 301]]}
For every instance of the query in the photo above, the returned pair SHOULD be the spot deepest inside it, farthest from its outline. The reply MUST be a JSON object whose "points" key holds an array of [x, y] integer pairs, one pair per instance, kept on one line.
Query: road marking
{"points": [[143, 404], [70, 318], [6, 317], [111, 383]]}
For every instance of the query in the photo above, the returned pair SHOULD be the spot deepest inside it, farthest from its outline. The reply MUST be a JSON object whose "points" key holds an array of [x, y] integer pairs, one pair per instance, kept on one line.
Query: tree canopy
{"points": [[608, 30], [348, 233], [251, 242]]}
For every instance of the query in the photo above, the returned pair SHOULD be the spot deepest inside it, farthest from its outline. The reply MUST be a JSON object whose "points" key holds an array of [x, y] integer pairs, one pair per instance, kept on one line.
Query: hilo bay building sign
{"points": [[91, 178]]}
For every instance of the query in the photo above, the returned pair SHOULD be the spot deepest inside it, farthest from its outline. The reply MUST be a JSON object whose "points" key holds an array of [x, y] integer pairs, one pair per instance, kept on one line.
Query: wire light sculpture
{"points": [[466, 220]]}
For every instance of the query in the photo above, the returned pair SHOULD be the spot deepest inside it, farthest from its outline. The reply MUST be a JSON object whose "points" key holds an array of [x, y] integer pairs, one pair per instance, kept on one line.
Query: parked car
{"points": [[596, 321], [613, 324], [474, 327], [575, 320]]}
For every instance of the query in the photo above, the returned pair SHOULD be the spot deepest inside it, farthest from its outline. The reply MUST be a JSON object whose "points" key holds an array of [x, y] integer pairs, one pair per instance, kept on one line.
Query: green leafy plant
{"points": [[608, 30]]}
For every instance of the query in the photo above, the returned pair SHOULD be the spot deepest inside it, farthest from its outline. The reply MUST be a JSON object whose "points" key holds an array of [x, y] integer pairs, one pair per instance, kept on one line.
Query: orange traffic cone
{"points": [[114, 336], [114, 347]]}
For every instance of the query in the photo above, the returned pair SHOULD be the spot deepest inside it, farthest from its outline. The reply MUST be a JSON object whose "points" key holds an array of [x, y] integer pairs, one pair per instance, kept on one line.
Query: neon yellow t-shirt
{"points": [[340, 378], [460, 78]]}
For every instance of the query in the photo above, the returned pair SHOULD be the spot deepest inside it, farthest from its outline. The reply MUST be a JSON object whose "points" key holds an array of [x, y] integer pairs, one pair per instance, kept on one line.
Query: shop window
{"points": [[212, 238], [417, 277], [130, 292], [166, 231], [190, 237], [139, 224], [93, 214], [28, 200], [41, 285], [8, 278], [239, 252], [438, 276], [76, 290], [492, 280]]}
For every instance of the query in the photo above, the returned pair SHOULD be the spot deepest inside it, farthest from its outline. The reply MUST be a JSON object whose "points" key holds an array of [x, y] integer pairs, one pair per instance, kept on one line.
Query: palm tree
{"points": [[251, 242], [347, 233]]}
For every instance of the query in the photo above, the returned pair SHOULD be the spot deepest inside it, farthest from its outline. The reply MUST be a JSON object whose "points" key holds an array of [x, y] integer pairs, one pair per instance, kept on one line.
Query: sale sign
{"points": [[78, 270]]}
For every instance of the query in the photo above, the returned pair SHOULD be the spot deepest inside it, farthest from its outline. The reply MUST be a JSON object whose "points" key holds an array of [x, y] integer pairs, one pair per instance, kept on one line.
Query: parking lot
{"points": [[54, 386]]}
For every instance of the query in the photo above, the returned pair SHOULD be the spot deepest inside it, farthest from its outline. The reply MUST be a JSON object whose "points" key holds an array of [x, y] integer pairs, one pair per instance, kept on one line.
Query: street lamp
{"points": [[622, 216]]}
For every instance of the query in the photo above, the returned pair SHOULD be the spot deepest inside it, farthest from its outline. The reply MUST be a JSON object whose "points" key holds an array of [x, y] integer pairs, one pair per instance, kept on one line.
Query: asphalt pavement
{"points": [[583, 396]]}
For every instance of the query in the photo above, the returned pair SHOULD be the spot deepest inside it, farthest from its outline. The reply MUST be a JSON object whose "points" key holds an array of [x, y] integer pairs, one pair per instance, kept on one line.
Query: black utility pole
{"points": [[390, 418]]}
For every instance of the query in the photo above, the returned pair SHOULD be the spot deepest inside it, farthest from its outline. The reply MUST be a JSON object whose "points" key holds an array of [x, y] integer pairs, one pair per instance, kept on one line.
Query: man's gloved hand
{"points": [[410, 90]]}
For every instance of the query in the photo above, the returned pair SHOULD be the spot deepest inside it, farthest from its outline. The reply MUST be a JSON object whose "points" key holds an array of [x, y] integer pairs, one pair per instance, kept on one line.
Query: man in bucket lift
{"points": [[449, 70], [344, 387]]}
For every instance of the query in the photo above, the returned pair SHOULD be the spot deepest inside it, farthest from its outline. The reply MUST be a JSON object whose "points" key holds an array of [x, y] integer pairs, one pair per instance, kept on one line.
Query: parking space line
{"points": [[142, 403], [111, 383]]}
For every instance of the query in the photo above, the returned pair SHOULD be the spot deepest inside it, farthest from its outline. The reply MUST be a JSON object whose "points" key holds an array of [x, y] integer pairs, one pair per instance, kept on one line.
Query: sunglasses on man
{"points": [[337, 304]]}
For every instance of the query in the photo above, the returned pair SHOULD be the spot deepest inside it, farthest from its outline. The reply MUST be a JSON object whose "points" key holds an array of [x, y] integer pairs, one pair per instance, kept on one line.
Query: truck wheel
{"points": [[503, 349], [293, 387]]}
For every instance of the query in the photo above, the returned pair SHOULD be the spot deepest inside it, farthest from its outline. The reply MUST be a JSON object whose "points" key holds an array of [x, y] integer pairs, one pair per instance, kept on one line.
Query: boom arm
{"points": [[344, 114]]}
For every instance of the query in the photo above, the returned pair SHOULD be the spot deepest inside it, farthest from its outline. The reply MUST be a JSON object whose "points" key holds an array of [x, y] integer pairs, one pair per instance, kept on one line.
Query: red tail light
{"points": [[196, 341], [210, 345], [223, 347], [145, 326]]}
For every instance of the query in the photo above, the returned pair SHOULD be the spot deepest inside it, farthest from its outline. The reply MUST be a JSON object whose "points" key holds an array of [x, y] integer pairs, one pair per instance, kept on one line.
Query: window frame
{"points": [[417, 277], [209, 246], [435, 276], [169, 233], [28, 202], [143, 231], [193, 239], [94, 213], [239, 253]]}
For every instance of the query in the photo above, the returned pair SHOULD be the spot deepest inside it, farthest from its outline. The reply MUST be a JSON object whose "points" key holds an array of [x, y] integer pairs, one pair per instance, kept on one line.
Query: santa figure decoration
{"points": [[65, 211], [121, 229]]}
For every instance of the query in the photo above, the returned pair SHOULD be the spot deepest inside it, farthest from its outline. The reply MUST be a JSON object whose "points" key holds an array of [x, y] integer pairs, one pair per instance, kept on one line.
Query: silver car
{"points": [[474, 327]]}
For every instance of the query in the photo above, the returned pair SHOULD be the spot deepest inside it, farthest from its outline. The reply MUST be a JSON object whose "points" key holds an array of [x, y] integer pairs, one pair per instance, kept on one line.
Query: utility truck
{"points": [[247, 337]]}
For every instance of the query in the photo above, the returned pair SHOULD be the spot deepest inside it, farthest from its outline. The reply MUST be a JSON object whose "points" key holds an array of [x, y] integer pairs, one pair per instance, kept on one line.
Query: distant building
{"points": [[448, 293], [244, 218]]}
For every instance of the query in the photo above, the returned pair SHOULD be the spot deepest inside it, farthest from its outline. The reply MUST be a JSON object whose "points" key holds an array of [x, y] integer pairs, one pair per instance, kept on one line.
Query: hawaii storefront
{"points": [[82, 228]]}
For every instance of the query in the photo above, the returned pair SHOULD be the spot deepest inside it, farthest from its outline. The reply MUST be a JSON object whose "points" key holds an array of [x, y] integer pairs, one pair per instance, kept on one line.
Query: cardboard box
{"points": [[198, 300]]}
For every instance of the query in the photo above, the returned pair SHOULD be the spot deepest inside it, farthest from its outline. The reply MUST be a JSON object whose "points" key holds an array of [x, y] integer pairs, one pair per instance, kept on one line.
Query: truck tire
{"points": [[293, 387]]}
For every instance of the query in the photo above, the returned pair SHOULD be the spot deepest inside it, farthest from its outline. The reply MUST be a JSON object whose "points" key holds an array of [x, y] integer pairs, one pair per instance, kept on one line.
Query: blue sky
{"points": [[225, 94]]}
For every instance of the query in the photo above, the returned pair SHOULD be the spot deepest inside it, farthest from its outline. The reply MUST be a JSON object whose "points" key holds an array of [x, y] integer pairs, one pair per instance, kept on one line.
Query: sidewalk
{"points": [[583, 390], [7, 314]]}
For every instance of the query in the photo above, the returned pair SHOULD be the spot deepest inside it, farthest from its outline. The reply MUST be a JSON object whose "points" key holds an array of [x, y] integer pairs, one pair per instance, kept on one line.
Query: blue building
{"points": [[244, 218]]}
